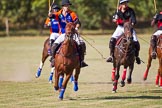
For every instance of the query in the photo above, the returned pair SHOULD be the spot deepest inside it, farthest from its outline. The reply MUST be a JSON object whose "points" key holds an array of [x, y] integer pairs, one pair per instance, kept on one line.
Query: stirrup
{"points": [[138, 60], [110, 59], [153, 55]]}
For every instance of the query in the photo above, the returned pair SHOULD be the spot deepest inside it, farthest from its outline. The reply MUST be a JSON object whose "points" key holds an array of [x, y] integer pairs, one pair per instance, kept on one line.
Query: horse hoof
{"points": [[61, 95], [50, 81], [56, 88], [38, 73], [75, 86], [129, 81], [157, 86], [122, 84], [114, 91], [144, 79]]}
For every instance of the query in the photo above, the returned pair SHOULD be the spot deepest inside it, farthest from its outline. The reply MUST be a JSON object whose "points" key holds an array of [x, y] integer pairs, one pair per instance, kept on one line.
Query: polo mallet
{"points": [[155, 6]]}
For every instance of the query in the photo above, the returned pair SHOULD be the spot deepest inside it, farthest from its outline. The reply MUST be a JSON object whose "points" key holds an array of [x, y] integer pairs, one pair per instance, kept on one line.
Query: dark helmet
{"points": [[54, 6], [122, 1], [66, 2]]}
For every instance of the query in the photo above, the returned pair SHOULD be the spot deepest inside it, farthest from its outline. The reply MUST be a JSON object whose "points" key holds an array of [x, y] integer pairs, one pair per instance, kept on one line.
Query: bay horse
{"points": [[66, 60], [159, 56], [124, 54], [45, 54]]}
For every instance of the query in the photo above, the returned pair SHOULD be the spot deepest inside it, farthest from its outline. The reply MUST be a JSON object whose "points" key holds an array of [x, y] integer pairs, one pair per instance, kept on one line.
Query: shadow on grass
{"points": [[111, 98], [131, 97]]}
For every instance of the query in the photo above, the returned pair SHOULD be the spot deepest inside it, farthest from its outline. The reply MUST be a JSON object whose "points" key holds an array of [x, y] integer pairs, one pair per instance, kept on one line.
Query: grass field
{"points": [[19, 60]]}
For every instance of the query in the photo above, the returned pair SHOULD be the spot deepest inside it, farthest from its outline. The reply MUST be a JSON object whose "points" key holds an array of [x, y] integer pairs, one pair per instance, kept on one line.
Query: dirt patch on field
{"points": [[19, 73]]}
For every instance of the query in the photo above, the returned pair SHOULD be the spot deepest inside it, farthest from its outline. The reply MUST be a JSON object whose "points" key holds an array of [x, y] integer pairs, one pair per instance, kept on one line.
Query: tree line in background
{"points": [[94, 14]]}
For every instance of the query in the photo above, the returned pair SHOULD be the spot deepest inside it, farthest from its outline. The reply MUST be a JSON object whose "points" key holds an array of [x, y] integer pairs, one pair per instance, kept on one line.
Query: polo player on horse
{"points": [[53, 23], [67, 15], [123, 14], [157, 19]]}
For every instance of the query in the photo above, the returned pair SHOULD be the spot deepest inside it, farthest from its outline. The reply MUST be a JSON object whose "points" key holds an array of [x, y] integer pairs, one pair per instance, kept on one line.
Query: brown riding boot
{"points": [[49, 50], [112, 47], [153, 45], [53, 52], [137, 49]]}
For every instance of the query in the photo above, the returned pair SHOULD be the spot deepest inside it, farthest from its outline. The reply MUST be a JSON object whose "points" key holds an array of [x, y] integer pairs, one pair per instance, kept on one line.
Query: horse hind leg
{"points": [[38, 73], [122, 83], [44, 57], [148, 65], [51, 75]]}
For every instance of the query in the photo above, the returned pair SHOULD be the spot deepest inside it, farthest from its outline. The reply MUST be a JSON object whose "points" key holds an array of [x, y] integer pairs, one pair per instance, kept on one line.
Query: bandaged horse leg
{"points": [[51, 75], [157, 78], [39, 70], [64, 84], [113, 74], [153, 45], [123, 77], [161, 81], [61, 79], [115, 83], [76, 76]]}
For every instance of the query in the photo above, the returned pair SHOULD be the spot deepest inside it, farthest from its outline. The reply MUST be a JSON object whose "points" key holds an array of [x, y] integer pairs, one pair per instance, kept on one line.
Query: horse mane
{"points": [[70, 28]]}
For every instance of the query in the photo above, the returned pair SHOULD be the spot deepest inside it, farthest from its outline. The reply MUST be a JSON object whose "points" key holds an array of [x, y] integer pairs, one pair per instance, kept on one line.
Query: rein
{"points": [[70, 45]]}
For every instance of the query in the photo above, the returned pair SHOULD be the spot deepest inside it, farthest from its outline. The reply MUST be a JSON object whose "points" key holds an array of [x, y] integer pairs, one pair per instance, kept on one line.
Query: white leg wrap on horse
{"points": [[41, 65], [52, 69]]}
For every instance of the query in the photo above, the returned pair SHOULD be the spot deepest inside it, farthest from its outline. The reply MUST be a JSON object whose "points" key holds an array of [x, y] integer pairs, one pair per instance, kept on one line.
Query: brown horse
{"points": [[159, 55], [66, 60], [124, 54], [45, 55]]}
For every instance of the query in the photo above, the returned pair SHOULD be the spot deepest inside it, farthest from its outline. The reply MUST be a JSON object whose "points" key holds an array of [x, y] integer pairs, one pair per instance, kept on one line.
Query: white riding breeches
{"points": [[76, 37], [120, 30], [158, 33], [54, 36]]}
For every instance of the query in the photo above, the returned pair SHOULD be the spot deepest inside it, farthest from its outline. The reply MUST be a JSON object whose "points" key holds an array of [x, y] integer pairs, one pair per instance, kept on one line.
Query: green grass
{"points": [[19, 88]]}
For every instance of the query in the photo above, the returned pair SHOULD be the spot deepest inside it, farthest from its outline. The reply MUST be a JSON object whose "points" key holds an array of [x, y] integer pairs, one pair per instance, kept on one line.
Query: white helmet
{"points": [[122, 1]]}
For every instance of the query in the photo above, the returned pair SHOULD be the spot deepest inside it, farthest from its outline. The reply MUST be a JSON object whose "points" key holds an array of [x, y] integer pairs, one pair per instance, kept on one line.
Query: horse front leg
{"points": [[159, 74], [76, 76], [56, 86], [148, 65], [122, 83], [113, 70], [116, 79], [129, 79], [62, 90], [157, 78]]}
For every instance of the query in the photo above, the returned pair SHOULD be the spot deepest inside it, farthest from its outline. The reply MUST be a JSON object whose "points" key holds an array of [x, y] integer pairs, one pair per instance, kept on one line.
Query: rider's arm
{"points": [[154, 20], [133, 17]]}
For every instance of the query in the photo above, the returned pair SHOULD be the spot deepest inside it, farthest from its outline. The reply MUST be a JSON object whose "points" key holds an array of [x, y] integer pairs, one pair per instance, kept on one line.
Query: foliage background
{"points": [[94, 14]]}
